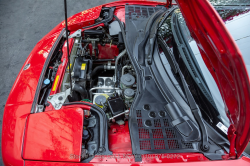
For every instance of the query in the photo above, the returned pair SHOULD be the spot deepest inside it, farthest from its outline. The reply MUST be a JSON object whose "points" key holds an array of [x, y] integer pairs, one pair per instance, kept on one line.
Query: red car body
{"points": [[61, 139]]}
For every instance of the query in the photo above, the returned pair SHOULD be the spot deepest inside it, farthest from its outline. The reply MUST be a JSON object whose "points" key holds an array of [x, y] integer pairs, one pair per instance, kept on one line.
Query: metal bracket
{"points": [[76, 34], [58, 99], [125, 112], [39, 108], [94, 46]]}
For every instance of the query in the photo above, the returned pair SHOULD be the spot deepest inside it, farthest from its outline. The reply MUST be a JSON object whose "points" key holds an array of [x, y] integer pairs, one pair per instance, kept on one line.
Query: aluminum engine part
{"points": [[105, 85], [58, 99], [105, 82]]}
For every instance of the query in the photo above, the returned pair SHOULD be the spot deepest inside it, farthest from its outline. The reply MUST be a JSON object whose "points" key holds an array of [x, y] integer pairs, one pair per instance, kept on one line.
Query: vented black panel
{"points": [[160, 135], [187, 145], [150, 125], [157, 135], [137, 12]]}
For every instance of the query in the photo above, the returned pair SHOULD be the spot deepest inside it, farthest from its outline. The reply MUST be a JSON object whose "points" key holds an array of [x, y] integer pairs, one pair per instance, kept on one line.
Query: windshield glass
{"points": [[236, 19]]}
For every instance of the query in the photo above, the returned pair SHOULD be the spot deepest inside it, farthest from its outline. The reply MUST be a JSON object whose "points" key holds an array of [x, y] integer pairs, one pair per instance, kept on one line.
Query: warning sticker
{"points": [[55, 84], [68, 66], [83, 66], [222, 127]]}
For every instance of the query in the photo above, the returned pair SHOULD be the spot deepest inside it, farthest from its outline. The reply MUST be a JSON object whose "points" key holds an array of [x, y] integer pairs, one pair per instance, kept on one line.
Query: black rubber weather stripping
{"points": [[103, 144], [40, 82], [141, 46]]}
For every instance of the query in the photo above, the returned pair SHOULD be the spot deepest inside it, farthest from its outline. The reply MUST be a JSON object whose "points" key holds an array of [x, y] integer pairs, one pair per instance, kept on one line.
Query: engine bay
{"points": [[102, 74]]}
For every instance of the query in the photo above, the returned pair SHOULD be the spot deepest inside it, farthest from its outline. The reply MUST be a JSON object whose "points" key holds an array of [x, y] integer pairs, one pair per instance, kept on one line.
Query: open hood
{"points": [[225, 62]]}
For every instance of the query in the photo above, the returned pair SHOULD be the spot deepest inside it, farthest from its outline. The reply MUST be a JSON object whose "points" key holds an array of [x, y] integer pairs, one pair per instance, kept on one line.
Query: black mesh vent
{"points": [[144, 133], [170, 133], [141, 11], [138, 113], [145, 145], [187, 145], [161, 135], [144, 12], [157, 133], [157, 123], [151, 11], [173, 144], [165, 121], [159, 144], [139, 122]]}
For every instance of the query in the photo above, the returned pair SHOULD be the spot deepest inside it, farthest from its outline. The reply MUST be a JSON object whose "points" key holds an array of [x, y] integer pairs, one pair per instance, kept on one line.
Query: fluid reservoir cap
{"points": [[46, 81], [129, 92], [99, 100], [127, 80]]}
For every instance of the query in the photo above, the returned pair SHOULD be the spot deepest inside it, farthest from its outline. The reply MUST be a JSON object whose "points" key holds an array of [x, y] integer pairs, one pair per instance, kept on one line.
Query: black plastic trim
{"points": [[103, 144]]}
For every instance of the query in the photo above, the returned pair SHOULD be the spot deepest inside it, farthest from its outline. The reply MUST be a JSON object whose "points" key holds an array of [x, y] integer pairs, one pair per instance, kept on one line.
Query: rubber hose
{"points": [[80, 90], [96, 70]]}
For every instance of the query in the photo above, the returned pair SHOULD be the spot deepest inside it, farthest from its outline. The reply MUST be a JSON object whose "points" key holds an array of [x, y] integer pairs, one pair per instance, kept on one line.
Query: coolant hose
{"points": [[96, 70], [81, 91]]}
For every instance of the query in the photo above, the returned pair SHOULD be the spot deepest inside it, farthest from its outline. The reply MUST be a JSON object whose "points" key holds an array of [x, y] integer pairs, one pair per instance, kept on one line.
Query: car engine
{"points": [[101, 74]]}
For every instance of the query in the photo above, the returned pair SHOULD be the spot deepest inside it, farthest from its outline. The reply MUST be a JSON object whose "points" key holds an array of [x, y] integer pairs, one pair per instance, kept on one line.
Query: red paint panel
{"points": [[120, 13], [224, 61], [54, 135], [18, 105], [119, 139], [106, 52], [134, 2], [125, 158], [84, 18], [242, 162]]}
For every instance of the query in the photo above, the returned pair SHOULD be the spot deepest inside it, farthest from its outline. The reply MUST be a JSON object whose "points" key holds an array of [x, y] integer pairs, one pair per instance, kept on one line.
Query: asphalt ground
{"points": [[22, 24]]}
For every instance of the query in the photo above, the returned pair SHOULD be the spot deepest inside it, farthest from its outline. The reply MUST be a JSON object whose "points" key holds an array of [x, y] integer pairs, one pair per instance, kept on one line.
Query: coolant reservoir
{"points": [[129, 94], [127, 81]]}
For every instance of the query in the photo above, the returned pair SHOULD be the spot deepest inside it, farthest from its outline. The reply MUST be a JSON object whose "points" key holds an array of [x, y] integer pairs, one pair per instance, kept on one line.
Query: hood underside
{"points": [[225, 62]]}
